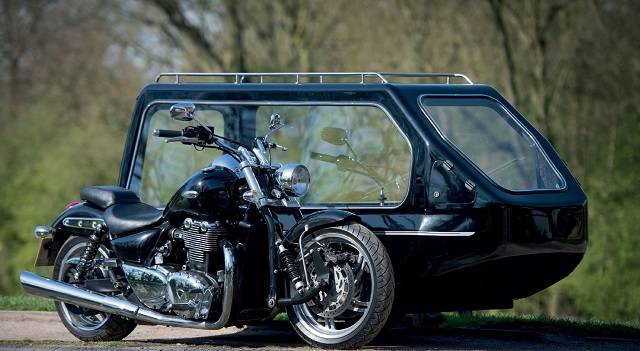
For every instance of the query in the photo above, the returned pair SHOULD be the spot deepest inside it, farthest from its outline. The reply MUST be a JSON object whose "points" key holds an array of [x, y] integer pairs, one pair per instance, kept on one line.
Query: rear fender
{"points": [[319, 220], [74, 221], [79, 220]]}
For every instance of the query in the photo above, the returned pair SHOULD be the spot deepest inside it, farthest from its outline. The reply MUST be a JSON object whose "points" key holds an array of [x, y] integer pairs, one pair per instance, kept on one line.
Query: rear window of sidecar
{"points": [[483, 131]]}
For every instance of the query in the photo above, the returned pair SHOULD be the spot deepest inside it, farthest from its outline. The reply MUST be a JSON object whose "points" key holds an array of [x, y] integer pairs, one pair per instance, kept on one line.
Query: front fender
{"points": [[318, 220]]}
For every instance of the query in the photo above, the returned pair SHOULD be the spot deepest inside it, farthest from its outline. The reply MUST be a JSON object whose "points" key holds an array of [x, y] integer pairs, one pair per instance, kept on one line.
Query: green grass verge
{"points": [[25, 303], [588, 327]]}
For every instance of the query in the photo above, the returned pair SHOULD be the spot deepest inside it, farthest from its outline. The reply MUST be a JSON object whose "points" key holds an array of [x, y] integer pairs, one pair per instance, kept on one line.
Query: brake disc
{"points": [[334, 302]]}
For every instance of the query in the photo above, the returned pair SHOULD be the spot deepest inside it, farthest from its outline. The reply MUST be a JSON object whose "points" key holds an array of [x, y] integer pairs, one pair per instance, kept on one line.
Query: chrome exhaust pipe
{"points": [[53, 289]]}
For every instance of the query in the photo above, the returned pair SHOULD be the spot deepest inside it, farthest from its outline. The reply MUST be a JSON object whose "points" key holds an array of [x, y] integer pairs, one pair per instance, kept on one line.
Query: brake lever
{"points": [[274, 146]]}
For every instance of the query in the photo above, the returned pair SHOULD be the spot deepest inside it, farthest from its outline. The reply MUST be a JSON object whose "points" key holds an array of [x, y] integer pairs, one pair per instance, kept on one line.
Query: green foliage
{"points": [[69, 76], [48, 174], [25, 303]]}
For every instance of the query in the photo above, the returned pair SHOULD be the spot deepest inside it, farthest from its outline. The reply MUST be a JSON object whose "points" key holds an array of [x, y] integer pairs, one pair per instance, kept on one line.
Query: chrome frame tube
{"points": [[44, 287]]}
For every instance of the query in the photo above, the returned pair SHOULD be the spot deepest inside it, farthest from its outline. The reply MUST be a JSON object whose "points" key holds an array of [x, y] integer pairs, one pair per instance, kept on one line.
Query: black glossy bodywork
{"points": [[136, 247], [473, 246], [217, 196], [81, 210]]}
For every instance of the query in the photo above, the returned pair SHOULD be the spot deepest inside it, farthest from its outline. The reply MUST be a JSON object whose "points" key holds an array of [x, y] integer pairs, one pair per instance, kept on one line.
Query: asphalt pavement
{"points": [[43, 331]]}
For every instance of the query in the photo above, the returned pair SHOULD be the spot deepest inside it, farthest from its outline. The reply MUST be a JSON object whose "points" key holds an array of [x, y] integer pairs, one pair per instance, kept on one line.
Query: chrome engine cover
{"points": [[192, 294], [188, 294]]}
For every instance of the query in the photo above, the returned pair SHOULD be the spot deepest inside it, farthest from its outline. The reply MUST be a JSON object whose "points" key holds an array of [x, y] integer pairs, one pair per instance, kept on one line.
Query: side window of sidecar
{"points": [[492, 139], [167, 166], [356, 155]]}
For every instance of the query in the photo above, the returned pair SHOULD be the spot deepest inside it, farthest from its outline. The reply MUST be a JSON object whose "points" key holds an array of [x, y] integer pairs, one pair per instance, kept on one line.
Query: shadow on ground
{"points": [[281, 335]]}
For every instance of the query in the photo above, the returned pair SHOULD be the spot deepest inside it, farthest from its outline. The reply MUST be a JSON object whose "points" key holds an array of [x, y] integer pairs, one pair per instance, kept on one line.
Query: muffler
{"points": [[53, 289]]}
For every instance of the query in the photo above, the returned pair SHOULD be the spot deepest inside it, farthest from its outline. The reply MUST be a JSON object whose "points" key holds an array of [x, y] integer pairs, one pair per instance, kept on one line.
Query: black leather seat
{"points": [[122, 218], [105, 196], [123, 210]]}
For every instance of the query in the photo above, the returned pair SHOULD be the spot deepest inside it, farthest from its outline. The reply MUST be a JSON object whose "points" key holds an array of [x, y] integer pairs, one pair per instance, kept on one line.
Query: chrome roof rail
{"points": [[306, 78], [447, 76]]}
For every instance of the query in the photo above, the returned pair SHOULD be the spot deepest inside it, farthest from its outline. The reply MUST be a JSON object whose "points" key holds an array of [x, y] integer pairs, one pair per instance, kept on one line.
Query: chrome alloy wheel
{"points": [[80, 317], [337, 312]]}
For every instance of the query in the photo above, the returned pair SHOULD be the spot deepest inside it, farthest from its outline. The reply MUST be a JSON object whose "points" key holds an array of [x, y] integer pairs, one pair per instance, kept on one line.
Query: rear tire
{"points": [[370, 303], [85, 324]]}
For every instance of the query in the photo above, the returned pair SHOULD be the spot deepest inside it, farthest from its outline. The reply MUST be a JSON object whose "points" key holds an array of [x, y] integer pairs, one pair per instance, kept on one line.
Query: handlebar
{"points": [[204, 137], [165, 133]]}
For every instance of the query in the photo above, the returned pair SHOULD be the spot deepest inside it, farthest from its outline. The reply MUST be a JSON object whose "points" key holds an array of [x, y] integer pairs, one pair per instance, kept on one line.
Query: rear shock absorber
{"points": [[89, 252], [288, 260]]}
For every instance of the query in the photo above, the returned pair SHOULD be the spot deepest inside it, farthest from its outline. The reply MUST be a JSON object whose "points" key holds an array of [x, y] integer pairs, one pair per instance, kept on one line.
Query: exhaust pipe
{"points": [[53, 289]]}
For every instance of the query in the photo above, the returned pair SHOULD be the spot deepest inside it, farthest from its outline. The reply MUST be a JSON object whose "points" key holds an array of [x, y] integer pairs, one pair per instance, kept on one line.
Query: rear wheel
{"points": [[84, 323], [355, 307]]}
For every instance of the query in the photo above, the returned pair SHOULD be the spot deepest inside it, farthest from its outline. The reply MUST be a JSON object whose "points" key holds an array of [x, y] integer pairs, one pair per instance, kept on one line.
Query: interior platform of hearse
{"points": [[472, 203]]}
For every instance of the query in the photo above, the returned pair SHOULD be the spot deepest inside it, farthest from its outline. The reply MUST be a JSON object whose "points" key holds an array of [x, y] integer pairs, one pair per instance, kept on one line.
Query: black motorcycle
{"points": [[217, 254]]}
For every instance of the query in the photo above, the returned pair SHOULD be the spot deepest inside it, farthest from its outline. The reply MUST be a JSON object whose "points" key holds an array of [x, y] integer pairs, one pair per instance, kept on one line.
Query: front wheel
{"points": [[355, 307]]}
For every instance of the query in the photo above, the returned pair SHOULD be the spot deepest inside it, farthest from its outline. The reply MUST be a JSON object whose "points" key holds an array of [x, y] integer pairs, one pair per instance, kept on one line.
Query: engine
{"points": [[190, 286], [201, 239]]}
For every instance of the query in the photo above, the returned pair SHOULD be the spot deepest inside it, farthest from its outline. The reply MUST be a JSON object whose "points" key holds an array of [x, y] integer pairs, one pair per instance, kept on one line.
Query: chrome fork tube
{"points": [[247, 169]]}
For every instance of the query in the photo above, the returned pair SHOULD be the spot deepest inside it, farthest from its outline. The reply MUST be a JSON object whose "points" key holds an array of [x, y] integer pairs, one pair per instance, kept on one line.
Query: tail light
{"points": [[71, 204]]}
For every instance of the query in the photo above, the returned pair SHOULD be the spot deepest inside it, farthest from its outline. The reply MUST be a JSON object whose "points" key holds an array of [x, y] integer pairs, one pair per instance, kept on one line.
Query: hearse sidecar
{"points": [[473, 204]]}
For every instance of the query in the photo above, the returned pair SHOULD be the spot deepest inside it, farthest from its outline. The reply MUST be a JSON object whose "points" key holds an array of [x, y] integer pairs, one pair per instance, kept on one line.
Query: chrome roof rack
{"points": [[306, 78]]}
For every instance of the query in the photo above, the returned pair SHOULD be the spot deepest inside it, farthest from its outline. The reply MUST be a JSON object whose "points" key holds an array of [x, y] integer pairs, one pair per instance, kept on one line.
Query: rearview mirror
{"points": [[335, 136], [275, 122], [183, 111]]}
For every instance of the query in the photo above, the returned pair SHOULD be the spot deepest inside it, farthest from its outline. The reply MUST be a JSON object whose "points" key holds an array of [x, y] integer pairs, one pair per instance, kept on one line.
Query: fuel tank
{"points": [[209, 194]]}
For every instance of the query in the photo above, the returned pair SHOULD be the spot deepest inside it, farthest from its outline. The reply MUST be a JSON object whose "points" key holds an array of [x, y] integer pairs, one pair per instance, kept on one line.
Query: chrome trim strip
{"points": [[144, 118], [422, 233], [77, 222], [457, 149]]}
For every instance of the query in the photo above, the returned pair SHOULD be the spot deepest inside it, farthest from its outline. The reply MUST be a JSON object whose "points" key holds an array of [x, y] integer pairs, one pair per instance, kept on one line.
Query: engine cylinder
{"points": [[201, 239]]}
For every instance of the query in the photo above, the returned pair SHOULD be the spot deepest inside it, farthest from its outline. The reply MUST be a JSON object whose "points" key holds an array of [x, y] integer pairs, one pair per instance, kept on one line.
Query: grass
{"points": [[586, 327], [25, 303]]}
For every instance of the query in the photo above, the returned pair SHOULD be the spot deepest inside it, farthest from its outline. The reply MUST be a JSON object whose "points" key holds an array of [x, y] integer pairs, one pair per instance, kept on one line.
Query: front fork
{"points": [[277, 250], [275, 235]]}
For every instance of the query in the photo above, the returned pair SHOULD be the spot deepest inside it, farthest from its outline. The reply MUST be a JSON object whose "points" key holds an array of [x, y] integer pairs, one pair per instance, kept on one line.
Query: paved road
{"points": [[42, 331]]}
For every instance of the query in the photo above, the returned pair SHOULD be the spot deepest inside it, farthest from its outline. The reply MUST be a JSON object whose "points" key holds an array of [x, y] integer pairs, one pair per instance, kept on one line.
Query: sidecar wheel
{"points": [[85, 324], [356, 307]]}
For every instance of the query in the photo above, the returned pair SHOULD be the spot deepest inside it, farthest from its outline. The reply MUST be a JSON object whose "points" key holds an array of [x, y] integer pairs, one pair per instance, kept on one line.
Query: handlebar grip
{"points": [[165, 133]]}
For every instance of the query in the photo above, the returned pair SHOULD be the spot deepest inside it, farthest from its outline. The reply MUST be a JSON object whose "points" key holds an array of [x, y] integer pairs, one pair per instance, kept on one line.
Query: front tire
{"points": [[356, 307], [86, 324]]}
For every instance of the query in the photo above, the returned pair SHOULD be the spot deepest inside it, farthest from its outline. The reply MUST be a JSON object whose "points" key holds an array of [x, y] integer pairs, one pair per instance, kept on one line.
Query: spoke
{"points": [[92, 314], [358, 306], [361, 264], [330, 323], [73, 261]]}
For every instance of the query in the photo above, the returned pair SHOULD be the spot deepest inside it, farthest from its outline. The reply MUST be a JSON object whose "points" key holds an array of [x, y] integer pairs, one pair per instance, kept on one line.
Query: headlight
{"points": [[294, 179]]}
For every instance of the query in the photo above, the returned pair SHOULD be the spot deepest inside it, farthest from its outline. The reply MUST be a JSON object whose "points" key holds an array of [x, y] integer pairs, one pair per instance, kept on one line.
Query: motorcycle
{"points": [[217, 255]]}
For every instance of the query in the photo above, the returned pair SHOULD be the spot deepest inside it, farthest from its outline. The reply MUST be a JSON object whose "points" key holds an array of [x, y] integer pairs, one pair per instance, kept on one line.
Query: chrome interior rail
{"points": [[305, 78]]}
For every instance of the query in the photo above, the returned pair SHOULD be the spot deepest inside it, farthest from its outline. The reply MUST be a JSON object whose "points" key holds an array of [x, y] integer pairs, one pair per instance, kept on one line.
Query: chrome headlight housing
{"points": [[294, 179]]}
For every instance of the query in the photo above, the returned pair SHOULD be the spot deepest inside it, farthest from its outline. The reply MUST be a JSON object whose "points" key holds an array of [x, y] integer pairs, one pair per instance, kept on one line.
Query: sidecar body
{"points": [[473, 204]]}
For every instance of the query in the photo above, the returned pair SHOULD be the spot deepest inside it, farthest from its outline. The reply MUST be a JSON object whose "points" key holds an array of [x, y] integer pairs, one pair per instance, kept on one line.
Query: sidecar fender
{"points": [[319, 220]]}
